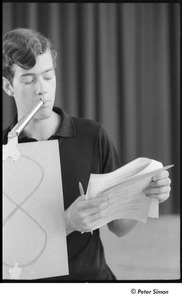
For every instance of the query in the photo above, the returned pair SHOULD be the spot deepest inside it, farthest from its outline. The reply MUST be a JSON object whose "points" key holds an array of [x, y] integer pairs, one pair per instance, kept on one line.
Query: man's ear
{"points": [[7, 87]]}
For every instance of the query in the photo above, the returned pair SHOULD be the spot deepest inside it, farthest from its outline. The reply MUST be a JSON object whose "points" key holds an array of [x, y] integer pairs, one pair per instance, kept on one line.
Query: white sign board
{"points": [[34, 235]]}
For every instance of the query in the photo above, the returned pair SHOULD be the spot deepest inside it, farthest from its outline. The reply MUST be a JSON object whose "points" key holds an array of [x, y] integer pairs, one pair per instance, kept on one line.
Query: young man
{"points": [[29, 63]]}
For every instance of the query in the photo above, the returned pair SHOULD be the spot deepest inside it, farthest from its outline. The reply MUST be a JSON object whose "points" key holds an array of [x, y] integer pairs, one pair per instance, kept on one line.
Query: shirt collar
{"points": [[66, 128]]}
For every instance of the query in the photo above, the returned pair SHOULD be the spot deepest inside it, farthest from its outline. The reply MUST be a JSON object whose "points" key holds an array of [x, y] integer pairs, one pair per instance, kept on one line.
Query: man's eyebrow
{"points": [[48, 70], [32, 74], [27, 74]]}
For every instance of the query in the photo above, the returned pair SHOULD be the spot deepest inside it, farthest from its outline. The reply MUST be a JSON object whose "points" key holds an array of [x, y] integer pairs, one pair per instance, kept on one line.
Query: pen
{"points": [[83, 197], [81, 191]]}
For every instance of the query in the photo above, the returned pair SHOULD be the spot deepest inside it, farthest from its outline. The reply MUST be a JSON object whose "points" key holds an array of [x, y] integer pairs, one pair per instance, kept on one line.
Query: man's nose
{"points": [[40, 89]]}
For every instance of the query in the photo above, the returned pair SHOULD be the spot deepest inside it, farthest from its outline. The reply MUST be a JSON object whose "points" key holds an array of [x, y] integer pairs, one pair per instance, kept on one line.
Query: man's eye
{"points": [[49, 75], [28, 80]]}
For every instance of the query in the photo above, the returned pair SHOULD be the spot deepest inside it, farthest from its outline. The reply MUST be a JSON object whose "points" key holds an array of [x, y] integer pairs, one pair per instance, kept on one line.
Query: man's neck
{"points": [[42, 130]]}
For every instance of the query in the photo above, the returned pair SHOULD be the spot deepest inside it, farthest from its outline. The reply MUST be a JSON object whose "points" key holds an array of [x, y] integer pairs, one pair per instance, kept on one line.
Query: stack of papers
{"points": [[124, 189]]}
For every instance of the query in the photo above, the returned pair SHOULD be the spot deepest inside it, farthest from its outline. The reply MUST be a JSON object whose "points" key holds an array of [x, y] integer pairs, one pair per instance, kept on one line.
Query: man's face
{"points": [[33, 84]]}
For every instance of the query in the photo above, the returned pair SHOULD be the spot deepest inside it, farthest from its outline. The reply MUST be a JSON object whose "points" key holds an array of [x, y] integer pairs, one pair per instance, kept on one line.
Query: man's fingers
{"points": [[162, 182], [161, 197], [157, 191], [93, 203], [160, 176], [97, 209]]}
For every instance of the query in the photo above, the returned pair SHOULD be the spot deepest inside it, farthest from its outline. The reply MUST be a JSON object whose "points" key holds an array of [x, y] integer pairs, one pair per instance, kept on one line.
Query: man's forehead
{"points": [[44, 62]]}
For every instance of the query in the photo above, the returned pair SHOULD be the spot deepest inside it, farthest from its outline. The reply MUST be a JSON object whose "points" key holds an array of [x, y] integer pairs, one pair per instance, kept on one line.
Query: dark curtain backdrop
{"points": [[118, 64]]}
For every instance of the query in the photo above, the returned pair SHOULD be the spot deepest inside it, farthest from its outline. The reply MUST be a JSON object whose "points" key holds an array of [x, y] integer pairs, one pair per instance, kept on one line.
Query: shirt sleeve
{"points": [[109, 160]]}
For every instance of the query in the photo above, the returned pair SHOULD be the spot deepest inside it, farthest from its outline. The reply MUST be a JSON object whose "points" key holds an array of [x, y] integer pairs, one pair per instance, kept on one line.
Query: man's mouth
{"points": [[46, 103]]}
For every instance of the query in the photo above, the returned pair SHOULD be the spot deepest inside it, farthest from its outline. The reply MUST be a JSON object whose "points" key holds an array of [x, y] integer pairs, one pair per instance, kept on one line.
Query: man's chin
{"points": [[44, 115]]}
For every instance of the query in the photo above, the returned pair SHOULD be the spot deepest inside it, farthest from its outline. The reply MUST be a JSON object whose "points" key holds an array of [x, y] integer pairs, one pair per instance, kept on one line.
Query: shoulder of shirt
{"points": [[84, 121], [88, 126]]}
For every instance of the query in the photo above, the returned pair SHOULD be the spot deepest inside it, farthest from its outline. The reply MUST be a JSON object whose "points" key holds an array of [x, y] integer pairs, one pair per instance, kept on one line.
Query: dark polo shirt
{"points": [[84, 149]]}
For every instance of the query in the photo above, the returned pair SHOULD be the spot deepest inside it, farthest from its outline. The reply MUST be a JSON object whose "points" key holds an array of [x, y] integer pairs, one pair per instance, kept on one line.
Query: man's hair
{"points": [[21, 46]]}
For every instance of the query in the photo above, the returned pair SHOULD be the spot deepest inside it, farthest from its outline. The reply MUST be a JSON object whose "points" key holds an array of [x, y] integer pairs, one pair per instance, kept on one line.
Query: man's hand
{"points": [[82, 214], [159, 187]]}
